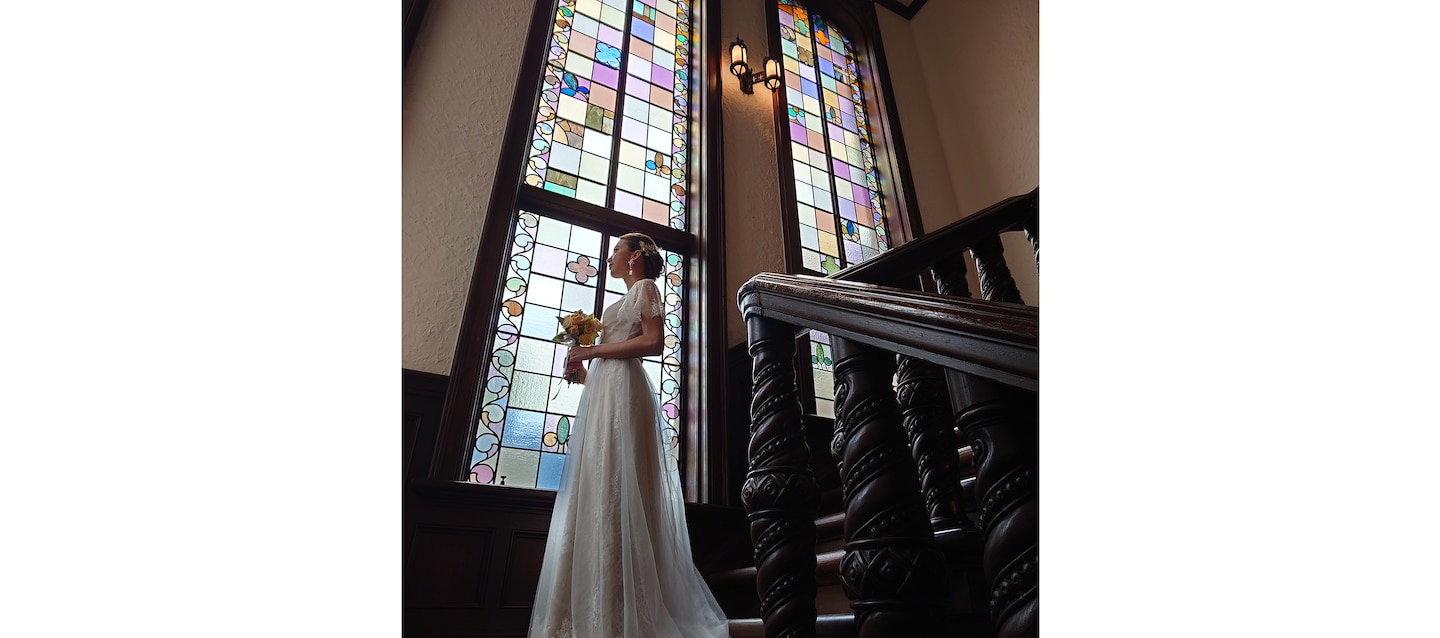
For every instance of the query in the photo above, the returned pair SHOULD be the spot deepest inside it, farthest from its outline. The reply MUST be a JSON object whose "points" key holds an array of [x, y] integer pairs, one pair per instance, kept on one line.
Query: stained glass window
{"points": [[528, 406], [613, 124], [612, 130], [837, 186]]}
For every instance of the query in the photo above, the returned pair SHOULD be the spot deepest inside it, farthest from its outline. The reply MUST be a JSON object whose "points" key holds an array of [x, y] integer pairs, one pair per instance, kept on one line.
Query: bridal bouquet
{"points": [[578, 328]]}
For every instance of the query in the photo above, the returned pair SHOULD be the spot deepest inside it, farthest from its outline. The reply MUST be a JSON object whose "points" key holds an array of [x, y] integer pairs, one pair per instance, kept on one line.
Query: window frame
{"points": [[701, 244]]}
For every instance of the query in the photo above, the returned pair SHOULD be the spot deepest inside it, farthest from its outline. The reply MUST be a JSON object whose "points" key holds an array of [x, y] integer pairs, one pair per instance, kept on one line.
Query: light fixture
{"points": [[770, 75]]}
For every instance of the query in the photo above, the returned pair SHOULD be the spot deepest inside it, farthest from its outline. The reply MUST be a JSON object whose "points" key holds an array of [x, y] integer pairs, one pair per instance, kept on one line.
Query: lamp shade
{"points": [[772, 73], [738, 64]]}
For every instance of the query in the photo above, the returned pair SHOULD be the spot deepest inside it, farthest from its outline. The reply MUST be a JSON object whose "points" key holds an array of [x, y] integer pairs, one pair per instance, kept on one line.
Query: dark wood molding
{"points": [[574, 211], [785, 176], [413, 17], [995, 340], [470, 361], [905, 11], [709, 474], [423, 400], [465, 495]]}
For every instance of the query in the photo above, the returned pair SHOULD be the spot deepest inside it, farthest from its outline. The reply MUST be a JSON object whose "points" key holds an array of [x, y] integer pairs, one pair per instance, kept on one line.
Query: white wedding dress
{"points": [[617, 558]]}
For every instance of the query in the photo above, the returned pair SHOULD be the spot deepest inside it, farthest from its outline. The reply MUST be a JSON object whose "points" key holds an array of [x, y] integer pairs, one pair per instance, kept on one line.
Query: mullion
{"points": [[620, 102]]}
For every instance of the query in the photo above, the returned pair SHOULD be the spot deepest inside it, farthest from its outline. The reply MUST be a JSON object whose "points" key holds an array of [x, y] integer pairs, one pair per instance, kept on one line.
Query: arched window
{"points": [[609, 153], [841, 215]]}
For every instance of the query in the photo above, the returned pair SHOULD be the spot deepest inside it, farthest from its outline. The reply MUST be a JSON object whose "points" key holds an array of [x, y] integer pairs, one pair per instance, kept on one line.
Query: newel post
{"points": [[779, 492]]}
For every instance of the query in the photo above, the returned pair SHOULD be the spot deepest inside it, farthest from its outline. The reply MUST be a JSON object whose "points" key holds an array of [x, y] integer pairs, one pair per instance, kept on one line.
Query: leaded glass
{"points": [[650, 175], [527, 406], [612, 129], [612, 73], [837, 188]]}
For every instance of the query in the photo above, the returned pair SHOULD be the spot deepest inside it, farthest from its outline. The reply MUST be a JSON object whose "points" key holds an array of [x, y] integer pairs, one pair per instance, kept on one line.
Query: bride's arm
{"points": [[650, 342]]}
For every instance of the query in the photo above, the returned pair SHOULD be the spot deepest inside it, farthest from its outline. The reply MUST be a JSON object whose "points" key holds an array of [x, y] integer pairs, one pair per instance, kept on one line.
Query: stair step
{"points": [[830, 532], [735, 589], [826, 626]]}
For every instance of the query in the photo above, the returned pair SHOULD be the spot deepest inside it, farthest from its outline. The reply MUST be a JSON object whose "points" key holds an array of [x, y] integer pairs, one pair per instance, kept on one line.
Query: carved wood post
{"points": [[949, 274], [996, 284], [893, 572], [925, 411], [779, 493], [1000, 423]]}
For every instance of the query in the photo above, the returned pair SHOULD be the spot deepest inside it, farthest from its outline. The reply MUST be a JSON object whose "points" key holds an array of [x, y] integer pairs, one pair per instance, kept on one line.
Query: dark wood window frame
{"points": [[703, 446], [858, 21]]}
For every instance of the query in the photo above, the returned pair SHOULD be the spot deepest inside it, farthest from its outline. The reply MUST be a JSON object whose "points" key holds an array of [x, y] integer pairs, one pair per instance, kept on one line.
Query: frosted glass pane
{"points": [[518, 467]]}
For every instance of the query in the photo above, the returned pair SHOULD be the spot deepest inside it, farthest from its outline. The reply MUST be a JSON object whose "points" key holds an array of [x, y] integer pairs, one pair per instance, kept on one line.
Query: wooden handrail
{"points": [[899, 266], [996, 340]]}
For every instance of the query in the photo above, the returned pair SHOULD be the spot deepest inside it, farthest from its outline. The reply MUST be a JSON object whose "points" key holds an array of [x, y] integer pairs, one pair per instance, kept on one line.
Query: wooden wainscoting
{"points": [[472, 558]]}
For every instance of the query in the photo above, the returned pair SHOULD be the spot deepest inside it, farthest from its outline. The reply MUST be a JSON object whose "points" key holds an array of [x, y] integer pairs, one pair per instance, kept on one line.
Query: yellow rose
{"points": [[587, 339]]}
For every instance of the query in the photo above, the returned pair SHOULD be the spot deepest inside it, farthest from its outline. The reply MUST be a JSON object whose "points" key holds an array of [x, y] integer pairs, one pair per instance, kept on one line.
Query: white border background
{"points": [[1238, 331]]}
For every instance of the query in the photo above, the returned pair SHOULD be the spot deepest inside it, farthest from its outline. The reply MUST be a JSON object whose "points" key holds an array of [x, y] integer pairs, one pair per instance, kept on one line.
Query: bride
{"points": [[617, 558]]}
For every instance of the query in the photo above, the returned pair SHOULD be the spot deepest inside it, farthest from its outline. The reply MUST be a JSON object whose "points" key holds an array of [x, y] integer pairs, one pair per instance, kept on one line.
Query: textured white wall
{"points": [[458, 88], [754, 235], [979, 63]]}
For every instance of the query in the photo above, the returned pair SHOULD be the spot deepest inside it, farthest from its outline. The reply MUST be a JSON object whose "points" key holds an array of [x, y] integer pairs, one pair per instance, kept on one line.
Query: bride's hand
{"points": [[575, 372], [578, 354]]}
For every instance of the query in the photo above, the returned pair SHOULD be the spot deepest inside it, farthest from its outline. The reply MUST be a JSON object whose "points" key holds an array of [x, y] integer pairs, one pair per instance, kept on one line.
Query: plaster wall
{"points": [[458, 87], [754, 235], [979, 63]]}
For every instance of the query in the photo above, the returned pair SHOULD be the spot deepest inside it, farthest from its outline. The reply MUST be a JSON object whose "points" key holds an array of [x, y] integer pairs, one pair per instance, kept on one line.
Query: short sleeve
{"points": [[647, 298]]}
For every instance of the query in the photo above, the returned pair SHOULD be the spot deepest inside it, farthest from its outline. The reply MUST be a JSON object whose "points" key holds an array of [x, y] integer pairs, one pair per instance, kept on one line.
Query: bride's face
{"points": [[619, 260]]}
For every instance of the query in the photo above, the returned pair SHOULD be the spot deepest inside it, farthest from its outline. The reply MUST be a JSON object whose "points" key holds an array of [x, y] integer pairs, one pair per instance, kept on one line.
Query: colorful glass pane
{"points": [[822, 363], [617, 70], [571, 147]]}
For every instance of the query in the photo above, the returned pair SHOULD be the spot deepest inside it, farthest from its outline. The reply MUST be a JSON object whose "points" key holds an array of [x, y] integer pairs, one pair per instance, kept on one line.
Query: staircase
{"points": [[937, 543], [735, 588]]}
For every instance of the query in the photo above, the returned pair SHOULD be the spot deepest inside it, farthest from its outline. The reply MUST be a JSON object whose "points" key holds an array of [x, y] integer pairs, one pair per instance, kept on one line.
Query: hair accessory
{"points": [[647, 245]]}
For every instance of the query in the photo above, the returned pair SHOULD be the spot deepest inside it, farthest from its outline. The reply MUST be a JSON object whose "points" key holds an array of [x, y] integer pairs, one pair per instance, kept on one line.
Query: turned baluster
{"points": [[779, 494], [925, 413], [1000, 424], [893, 571], [949, 274], [996, 283]]}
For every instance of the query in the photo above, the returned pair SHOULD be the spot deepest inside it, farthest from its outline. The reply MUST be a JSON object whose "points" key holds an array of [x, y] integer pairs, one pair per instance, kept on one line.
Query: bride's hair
{"points": [[650, 257]]}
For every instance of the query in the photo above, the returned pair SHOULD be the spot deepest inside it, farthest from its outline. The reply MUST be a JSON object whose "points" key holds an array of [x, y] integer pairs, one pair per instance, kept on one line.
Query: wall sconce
{"points": [[741, 68]]}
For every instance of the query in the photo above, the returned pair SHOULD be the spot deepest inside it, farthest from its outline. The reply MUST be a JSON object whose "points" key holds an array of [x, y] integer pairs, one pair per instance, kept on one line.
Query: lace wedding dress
{"points": [[617, 559]]}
